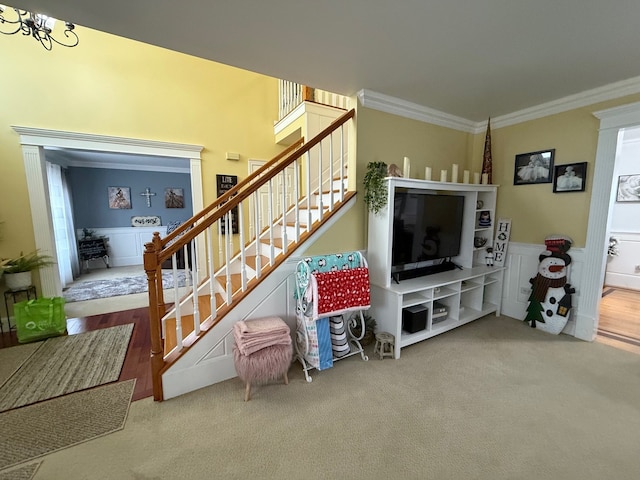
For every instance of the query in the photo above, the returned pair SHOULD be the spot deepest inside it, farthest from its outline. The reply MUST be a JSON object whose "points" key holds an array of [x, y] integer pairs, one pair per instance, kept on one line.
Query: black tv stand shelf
{"points": [[422, 271]]}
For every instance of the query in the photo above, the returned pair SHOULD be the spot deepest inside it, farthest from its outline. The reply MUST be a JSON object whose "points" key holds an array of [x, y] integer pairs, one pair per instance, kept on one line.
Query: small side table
{"points": [[14, 296]]}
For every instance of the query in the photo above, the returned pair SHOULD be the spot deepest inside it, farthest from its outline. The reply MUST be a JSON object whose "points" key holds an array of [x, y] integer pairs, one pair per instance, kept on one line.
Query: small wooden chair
{"points": [[385, 344]]}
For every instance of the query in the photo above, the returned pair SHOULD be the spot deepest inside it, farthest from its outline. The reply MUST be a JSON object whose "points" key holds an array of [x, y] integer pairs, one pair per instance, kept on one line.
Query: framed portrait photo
{"points": [[571, 177], [119, 197], [174, 198], [534, 167], [628, 188]]}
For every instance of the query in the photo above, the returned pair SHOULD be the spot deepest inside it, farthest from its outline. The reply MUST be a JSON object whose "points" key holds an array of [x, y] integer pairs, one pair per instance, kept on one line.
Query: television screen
{"points": [[426, 227]]}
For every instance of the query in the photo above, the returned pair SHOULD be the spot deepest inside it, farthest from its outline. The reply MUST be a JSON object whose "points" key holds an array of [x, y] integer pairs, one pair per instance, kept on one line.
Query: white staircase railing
{"points": [[292, 94], [277, 208]]}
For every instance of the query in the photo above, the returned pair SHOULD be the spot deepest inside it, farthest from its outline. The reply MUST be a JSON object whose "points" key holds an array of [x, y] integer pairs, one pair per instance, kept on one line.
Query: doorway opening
{"points": [[34, 143], [613, 122]]}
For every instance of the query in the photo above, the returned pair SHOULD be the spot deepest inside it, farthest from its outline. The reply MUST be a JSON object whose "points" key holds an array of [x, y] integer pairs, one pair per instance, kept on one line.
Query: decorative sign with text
{"points": [[146, 221], [90, 248], [225, 183], [503, 232]]}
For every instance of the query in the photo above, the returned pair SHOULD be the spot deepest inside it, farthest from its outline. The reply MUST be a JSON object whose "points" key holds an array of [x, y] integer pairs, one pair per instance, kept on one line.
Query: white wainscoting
{"points": [[623, 270], [125, 244], [522, 265]]}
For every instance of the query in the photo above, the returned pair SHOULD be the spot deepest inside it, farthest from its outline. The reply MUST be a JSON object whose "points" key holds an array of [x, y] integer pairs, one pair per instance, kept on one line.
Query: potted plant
{"points": [[375, 188], [17, 271]]}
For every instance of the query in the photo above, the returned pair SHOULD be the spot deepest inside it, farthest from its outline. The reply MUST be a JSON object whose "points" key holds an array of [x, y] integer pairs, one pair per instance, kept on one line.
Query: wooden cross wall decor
{"points": [[147, 193]]}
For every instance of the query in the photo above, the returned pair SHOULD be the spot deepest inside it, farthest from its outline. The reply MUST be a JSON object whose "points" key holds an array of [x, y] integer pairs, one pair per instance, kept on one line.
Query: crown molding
{"points": [[579, 100], [403, 108], [396, 106], [619, 117]]}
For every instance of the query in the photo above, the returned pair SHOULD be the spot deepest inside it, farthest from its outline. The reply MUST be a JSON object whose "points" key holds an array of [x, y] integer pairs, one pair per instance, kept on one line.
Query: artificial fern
{"points": [[375, 191]]}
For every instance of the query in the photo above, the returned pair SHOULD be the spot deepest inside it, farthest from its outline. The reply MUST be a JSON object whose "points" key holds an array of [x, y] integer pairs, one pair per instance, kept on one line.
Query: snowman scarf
{"points": [[542, 284]]}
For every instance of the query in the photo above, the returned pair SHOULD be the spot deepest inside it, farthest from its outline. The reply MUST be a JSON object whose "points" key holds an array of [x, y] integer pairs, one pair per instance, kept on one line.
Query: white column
{"points": [[35, 169]]}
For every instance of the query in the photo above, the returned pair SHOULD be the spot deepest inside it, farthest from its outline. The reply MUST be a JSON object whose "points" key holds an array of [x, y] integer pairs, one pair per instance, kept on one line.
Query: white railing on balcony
{"points": [[224, 257], [292, 94]]}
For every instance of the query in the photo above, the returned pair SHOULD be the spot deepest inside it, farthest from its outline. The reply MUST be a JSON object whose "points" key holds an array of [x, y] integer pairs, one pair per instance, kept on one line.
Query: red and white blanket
{"points": [[336, 292]]}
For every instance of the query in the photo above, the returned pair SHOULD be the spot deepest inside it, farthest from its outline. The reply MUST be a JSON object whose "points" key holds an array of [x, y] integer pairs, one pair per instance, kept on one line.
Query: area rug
{"points": [[12, 358], [30, 432], [113, 287], [25, 472], [67, 364]]}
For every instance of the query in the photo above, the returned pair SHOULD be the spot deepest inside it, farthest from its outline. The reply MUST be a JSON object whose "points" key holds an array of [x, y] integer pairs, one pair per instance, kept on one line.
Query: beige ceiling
{"points": [[468, 58]]}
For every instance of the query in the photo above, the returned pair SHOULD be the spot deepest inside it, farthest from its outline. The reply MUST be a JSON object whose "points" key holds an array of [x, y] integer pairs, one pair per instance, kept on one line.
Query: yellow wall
{"points": [[535, 210], [383, 137], [113, 86]]}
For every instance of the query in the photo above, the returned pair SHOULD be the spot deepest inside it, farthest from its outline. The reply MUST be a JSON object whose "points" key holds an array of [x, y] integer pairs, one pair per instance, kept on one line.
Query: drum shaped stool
{"points": [[269, 363]]}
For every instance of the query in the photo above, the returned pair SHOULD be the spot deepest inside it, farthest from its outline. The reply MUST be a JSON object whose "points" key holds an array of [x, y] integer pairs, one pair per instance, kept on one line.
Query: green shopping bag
{"points": [[39, 319]]}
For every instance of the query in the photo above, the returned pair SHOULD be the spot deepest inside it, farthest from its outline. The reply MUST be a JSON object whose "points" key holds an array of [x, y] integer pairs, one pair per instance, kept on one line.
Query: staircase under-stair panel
{"points": [[244, 275]]}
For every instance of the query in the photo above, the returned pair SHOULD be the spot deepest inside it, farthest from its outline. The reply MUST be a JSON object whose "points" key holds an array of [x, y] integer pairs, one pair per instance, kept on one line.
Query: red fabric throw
{"points": [[342, 290]]}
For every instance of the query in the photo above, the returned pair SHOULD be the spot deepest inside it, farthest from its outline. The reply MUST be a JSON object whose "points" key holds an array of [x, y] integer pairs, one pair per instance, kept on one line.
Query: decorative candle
{"points": [[476, 177], [443, 175], [465, 176], [427, 173], [407, 168], [485, 178], [454, 173]]}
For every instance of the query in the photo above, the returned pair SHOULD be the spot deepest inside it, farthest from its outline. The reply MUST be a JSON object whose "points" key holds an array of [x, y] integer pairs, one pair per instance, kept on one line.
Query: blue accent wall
{"points": [[89, 189]]}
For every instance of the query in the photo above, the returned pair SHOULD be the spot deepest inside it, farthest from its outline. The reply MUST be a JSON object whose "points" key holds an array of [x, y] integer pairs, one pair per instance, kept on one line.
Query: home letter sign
{"points": [[503, 231]]}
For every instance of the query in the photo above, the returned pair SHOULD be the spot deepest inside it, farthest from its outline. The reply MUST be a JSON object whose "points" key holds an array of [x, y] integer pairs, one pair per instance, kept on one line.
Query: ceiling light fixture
{"points": [[37, 26]]}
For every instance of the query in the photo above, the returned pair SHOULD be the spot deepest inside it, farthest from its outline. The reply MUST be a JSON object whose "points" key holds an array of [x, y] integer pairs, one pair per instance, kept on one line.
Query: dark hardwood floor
{"points": [[136, 363]]}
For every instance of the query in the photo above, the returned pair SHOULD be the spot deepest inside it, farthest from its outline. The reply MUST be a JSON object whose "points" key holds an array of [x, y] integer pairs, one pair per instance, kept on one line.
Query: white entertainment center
{"points": [[467, 293]]}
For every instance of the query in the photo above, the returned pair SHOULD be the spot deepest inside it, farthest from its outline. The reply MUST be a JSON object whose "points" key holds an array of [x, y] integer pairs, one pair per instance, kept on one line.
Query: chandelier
{"points": [[36, 25]]}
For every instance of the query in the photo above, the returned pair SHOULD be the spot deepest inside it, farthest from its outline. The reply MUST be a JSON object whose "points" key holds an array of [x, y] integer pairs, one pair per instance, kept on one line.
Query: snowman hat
{"points": [[558, 243]]}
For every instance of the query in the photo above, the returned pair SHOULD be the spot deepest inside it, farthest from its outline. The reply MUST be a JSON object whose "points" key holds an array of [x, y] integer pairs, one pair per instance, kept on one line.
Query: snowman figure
{"points": [[550, 299]]}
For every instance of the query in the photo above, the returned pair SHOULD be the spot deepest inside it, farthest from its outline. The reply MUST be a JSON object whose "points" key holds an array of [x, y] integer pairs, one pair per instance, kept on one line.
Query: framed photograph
{"points": [[534, 167], [174, 198], [628, 188], [571, 177], [119, 197]]}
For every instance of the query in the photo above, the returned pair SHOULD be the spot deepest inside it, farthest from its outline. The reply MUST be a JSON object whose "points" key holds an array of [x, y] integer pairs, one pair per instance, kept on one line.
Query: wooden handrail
{"points": [[161, 249], [231, 192], [232, 198]]}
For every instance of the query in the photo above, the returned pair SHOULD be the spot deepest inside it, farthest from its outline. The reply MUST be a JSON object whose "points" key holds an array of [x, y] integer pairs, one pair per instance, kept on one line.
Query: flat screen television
{"points": [[427, 229]]}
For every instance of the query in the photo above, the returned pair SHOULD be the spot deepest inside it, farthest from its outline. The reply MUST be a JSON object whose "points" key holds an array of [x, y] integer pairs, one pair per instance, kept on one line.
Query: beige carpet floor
{"points": [[63, 365], [493, 399]]}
